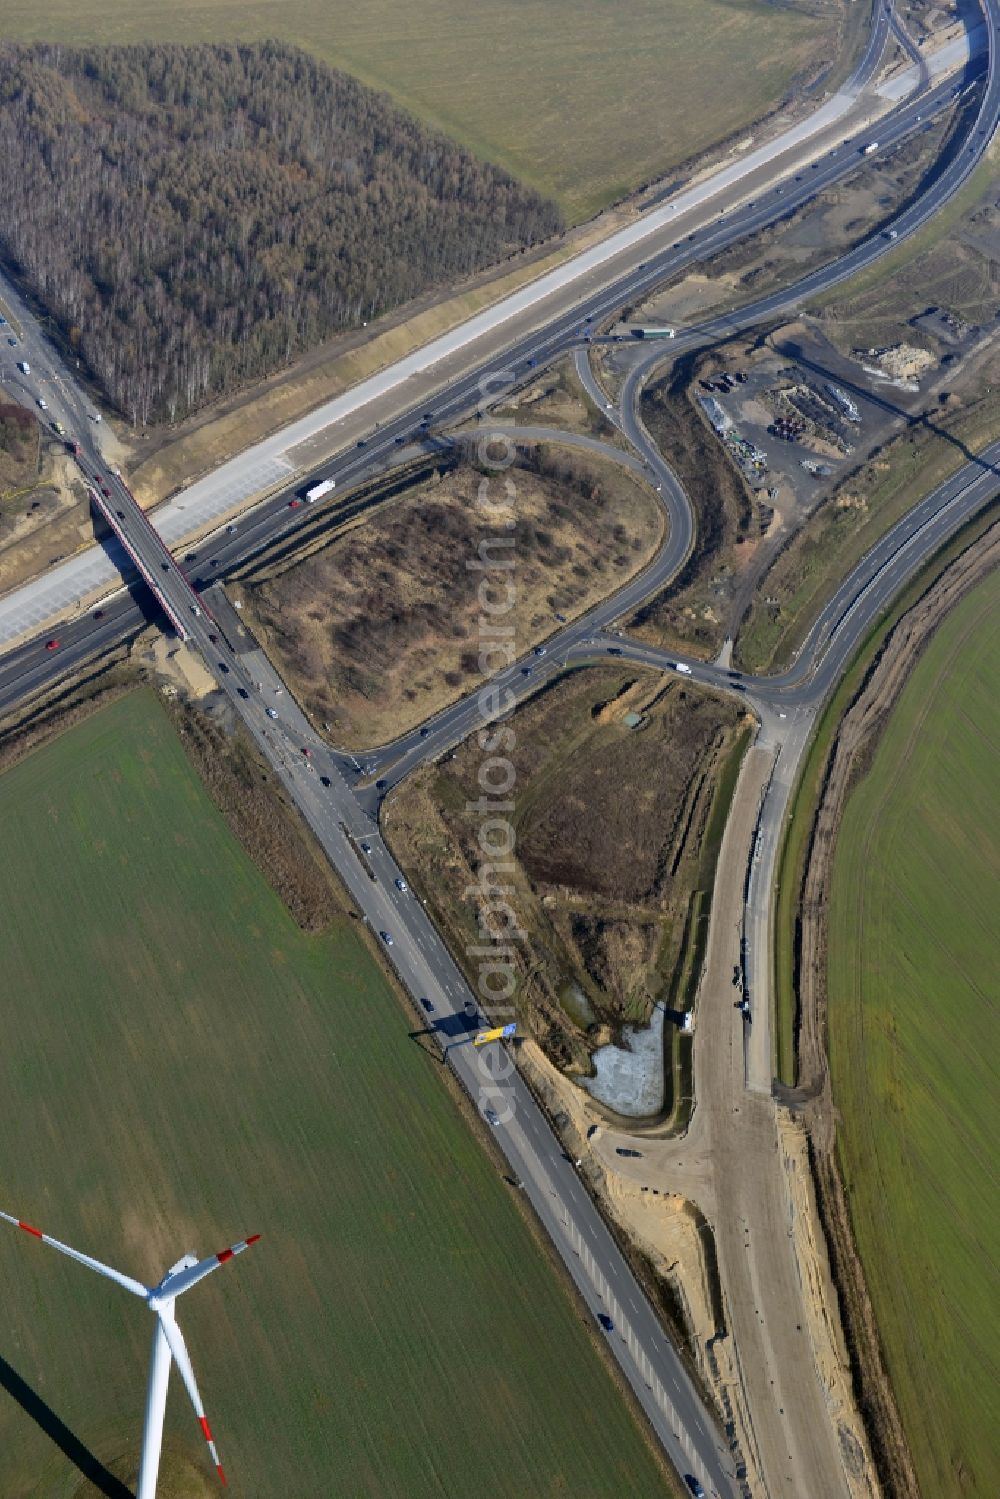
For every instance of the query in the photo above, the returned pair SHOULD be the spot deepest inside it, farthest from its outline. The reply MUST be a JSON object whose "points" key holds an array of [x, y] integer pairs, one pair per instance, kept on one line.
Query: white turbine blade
{"points": [[183, 1280], [178, 1348], [126, 1281]]}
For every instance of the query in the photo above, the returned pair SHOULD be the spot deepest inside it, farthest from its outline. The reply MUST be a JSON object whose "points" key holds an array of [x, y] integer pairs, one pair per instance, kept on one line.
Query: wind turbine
{"points": [[167, 1342]]}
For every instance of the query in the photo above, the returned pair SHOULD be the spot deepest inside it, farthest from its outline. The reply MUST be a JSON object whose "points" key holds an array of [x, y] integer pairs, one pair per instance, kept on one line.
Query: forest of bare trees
{"points": [[196, 217]]}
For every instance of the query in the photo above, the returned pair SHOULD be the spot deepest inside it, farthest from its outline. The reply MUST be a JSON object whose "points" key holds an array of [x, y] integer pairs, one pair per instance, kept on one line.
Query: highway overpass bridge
{"points": [[676, 1413], [146, 550]]}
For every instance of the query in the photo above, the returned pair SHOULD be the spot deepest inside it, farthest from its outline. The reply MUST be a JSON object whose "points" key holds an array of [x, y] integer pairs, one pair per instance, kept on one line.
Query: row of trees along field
{"points": [[195, 217]]}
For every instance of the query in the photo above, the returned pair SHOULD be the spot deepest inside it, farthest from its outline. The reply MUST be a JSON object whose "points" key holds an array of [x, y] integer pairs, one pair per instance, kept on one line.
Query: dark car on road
{"points": [[427, 1005], [605, 1322], [694, 1486]]}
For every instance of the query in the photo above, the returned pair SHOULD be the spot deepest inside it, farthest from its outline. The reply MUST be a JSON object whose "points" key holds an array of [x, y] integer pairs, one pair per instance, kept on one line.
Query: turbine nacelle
{"points": [[155, 1298], [184, 1263]]}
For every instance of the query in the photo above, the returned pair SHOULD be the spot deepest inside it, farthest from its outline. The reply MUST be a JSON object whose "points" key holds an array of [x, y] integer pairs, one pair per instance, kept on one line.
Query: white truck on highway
{"points": [[870, 149], [319, 490]]}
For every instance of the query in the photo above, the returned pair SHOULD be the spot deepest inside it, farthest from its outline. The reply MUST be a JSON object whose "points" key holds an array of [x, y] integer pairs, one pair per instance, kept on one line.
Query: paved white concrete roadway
{"points": [[275, 460], [947, 59], [428, 972]]}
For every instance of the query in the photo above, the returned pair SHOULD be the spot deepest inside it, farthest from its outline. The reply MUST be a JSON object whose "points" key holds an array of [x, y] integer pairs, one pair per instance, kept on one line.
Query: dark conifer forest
{"points": [[196, 217]]}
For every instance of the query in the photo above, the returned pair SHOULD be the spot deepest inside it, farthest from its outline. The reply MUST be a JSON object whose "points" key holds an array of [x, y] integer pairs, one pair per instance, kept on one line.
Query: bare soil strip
{"points": [[851, 754]]}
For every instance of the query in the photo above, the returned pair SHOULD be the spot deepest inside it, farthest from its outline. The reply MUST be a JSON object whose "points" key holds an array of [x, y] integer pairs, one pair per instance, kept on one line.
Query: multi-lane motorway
{"points": [[448, 381], [26, 610], [449, 1013], [343, 816], [701, 232], [548, 304]]}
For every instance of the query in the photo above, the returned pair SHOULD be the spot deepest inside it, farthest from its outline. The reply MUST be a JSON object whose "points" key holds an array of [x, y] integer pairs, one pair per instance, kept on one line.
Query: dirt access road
{"points": [[743, 1162]]}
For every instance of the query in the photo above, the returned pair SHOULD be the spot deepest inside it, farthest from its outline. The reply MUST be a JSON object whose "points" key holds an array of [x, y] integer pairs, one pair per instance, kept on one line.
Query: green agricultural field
{"points": [[914, 1037], [182, 1066], [584, 99]]}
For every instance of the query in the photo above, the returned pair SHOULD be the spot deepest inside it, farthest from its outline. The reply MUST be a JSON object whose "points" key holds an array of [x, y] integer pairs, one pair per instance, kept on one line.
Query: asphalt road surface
{"points": [[511, 346], [63, 588], [272, 461], [28, 609], [451, 1014], [344, 822]]}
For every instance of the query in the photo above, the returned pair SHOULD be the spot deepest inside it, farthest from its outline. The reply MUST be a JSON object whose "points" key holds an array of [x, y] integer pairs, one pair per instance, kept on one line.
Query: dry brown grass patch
{"points": [[380, 628], [609, 825]]}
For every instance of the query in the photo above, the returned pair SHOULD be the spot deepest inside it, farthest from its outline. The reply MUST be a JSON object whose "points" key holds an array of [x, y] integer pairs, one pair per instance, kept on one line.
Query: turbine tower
{"points": [[168, 1342]]}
